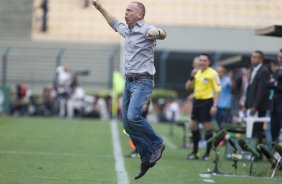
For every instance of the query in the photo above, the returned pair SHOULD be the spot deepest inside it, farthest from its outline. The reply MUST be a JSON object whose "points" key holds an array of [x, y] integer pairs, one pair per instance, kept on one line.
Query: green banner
{"points": [[4, 99]]}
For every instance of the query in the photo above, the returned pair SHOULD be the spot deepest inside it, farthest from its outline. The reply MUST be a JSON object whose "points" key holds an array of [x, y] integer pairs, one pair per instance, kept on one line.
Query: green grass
{"points": [[55, 151], [59, 151]]}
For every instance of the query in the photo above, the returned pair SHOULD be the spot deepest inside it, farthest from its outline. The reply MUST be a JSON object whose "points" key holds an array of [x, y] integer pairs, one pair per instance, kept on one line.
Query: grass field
{"points": [[59, 151]]}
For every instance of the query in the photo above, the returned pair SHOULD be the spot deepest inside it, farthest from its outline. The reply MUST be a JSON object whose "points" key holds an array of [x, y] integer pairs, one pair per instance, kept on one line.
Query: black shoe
{"points": [[192, 156], [143, 169], [157, 155]]}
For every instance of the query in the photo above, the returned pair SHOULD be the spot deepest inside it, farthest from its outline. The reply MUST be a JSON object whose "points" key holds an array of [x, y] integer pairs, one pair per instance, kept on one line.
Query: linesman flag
{"points": [[118, 87], [118, 82]]}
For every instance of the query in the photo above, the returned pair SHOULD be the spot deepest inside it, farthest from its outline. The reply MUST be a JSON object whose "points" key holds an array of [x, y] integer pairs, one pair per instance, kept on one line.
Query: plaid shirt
{"points": [[138, 48]]}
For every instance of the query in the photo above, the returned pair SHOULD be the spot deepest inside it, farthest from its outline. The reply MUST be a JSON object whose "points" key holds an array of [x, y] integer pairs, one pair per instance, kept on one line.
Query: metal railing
{"points": [[36, 65]]}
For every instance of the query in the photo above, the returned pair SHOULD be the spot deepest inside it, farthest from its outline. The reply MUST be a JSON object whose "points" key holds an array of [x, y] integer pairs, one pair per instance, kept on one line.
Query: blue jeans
{"points": [[145, 139], [223, 115]]}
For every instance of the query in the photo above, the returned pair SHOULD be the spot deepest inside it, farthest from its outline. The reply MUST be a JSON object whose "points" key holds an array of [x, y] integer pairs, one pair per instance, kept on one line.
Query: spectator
{"points": [[22, 100], [46, 107], [223, 113], [172, 110], [257, 93], [172, 113], [161, 103], [245, 75], [276, 107], [44, 7], [108, 100], [62, 83], [274, 67], [86, 3], [102, 106], [91, 109], [76, 101], [242, 84]]}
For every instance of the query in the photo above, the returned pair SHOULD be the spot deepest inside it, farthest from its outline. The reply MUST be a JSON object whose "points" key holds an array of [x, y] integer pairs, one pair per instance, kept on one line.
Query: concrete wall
{"points": [[34, 63], [15, 19], [218, 39]]}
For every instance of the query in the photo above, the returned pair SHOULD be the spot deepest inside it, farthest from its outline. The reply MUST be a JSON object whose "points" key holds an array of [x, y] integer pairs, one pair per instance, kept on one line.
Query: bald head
{"points": [[141, 7]]}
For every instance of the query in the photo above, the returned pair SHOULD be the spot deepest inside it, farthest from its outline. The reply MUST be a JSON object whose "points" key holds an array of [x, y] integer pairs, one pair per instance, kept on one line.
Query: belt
{"points": [[131, 78]]}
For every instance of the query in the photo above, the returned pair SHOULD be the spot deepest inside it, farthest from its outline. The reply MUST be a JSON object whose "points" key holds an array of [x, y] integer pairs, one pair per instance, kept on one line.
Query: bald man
{"points": [[140, 41]]}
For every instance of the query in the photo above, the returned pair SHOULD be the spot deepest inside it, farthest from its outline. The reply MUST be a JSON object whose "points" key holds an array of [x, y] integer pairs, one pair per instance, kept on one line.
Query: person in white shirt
{"points": [[62, 83], [172, 113], [102, 106], [76, 101]]}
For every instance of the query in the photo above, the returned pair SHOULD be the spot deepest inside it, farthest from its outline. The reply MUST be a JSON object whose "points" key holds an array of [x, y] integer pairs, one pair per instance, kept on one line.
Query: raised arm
{"points": [[189, 85], [109, 17]]}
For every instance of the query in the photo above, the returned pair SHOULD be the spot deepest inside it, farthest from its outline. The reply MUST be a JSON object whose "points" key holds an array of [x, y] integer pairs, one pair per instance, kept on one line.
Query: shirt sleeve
{"points": [[216, 82], [119, 27]]}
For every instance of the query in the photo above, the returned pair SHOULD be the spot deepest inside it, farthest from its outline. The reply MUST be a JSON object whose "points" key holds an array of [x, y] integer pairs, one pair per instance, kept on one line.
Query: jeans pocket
{"points": [[146, 82]]}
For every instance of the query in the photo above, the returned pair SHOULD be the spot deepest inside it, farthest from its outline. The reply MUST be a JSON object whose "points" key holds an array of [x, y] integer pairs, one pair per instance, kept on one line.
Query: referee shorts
{"points": [[201, 110]]}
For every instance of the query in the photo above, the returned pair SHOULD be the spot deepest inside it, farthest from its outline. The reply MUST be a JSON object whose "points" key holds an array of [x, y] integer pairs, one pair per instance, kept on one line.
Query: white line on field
{"points": [[122, 177], [44, 153], [169, 143], [206, 178], [205, 175], [251, 177]]}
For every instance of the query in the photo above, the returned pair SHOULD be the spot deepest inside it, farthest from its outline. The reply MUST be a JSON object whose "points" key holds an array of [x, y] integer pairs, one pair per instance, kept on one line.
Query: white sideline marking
{"points": [[122, 177], [169, 143], [205, 175], [208, 180], [44, 153]]}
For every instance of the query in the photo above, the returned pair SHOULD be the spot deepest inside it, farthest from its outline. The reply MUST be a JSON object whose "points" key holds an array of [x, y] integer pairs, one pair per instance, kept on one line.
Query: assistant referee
{"points": [[205, 83]]}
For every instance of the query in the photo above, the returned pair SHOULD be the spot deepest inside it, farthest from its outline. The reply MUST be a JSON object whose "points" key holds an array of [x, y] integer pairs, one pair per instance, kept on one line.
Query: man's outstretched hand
{"points": [[109, 17], [97, 4], [156, 34]]}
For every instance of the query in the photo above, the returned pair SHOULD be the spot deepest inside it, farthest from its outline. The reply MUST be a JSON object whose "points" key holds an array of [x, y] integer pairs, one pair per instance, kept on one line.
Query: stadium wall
{"points": [[15, 19]]}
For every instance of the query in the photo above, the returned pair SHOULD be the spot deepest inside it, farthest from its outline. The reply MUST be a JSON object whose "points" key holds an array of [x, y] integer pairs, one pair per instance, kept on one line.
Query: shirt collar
{"points": [[258, 67], [140, 22], [202, 71]]}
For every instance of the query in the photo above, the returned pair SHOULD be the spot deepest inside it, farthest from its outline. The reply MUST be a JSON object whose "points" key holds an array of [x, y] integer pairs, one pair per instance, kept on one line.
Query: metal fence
{"points": [[35, 66]]}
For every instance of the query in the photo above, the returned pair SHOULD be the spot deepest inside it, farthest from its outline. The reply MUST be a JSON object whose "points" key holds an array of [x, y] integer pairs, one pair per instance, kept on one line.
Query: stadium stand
{"points": [[15, 19], [34, 63], [69, 21]]}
